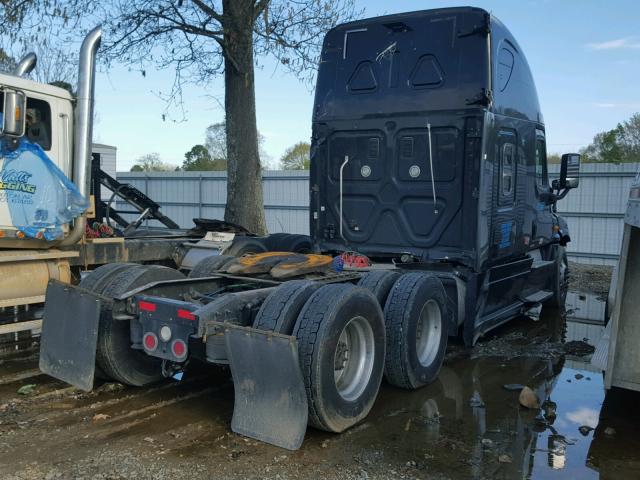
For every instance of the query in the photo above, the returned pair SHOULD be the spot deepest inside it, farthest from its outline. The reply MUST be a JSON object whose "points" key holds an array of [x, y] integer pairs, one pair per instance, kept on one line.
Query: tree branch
{"points": [[209, 11]]}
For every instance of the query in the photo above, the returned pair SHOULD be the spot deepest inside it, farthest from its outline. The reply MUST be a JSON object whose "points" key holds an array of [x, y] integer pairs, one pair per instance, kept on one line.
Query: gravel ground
{"points": [[590, 278], [181, 430]]}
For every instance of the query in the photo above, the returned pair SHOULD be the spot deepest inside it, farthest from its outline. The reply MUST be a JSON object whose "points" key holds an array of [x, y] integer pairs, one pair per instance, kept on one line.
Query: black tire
{"points": [[298, 244], [95, 282], [98, 278], [416, 299], [246, 245], [209, 265], [275, 242], [279, 312], [379, 282], [561, 279], [114, 354], [332, 310]]}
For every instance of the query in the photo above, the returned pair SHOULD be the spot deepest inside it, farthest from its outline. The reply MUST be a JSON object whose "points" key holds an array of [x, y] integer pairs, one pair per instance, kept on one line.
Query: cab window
{"points": [[507, 169], [541, 163], [507, 161], [38, 121], [38, 129]]}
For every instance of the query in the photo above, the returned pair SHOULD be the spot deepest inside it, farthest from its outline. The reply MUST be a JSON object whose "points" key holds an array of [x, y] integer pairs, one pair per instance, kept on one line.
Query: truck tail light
{"points": [[146, 306], [186, 314], [150, 341], [179, 349]]}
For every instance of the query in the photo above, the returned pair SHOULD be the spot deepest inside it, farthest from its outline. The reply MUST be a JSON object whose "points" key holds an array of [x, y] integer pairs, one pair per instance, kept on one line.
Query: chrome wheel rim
{"points": [[429, 332], [353, 358]]}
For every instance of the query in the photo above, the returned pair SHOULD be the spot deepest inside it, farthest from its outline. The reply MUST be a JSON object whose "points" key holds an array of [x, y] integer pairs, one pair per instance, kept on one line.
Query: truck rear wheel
{"points": [[560, 280], [279, 312], [95, 282], [98, 278], [341, 342], [114, 354], [379, 282], [416, 320], [209, 265]]}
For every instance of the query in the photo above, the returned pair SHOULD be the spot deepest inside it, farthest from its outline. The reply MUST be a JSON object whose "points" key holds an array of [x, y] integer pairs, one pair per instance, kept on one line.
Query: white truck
{"points": [[617, 354], [58, 125]]}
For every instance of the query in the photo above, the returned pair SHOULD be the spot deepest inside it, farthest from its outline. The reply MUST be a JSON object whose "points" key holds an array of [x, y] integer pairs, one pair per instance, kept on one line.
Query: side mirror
{"points": [[569, 171], [14, 113]]}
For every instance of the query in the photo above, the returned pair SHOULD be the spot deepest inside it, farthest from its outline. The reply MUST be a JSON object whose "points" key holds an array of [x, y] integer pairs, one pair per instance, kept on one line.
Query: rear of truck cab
{"points": [[429, 149], [397, 98]]}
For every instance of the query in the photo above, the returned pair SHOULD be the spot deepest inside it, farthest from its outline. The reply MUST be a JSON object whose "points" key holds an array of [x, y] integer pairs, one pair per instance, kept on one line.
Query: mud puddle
{"points": [[468, 424]]}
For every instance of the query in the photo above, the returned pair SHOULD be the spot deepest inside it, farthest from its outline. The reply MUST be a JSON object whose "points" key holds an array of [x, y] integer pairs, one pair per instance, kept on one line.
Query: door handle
{"points": [[346, 160]]}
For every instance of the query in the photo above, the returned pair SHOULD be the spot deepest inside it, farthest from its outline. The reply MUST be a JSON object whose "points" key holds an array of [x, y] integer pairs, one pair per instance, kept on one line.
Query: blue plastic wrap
{"points": [[36, 197]]}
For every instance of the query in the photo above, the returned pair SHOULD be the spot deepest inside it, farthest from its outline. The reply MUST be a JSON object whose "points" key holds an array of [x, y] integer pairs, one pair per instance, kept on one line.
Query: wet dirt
{"points": [[593, 279], [468, 424]]}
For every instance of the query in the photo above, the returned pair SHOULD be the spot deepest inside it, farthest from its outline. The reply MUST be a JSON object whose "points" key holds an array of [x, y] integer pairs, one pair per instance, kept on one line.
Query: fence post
{"points": [[200, 195], [146, 192]]}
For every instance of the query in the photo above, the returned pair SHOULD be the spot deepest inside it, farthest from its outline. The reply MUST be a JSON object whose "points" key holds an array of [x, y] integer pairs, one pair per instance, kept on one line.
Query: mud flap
{"points": [[69, 334], [270, 397]]}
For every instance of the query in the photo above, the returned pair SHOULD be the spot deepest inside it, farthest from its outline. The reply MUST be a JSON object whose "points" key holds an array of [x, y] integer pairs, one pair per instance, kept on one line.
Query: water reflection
{"points": [[469, 424], [585, 308]]}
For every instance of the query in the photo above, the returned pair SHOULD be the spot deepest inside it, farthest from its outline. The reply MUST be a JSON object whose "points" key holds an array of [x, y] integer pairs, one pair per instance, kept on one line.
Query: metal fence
{"points": [[184, 196], [594, 211]]}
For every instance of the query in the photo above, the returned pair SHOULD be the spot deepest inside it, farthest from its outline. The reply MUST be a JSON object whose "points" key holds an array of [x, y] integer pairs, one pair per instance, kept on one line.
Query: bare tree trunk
{"points": [[244, 183]]}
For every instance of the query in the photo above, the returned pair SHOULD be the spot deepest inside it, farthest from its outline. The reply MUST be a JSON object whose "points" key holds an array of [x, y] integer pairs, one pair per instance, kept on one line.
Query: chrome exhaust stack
{"points": [[83, 127], [26, 65]]}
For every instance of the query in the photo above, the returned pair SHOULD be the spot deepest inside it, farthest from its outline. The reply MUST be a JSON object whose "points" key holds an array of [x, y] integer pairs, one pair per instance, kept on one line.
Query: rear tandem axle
{"points": [[310, 350]]}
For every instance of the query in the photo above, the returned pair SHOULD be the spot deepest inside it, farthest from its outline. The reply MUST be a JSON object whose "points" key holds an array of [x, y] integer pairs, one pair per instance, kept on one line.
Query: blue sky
{"points": [[584, 54]]}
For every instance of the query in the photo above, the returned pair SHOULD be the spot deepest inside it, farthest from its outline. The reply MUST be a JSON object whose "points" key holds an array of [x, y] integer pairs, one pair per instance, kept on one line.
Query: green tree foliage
{"points": [[296, 157], [199, 159], [151, 163], [216, 143], [554, 158], [620, 145]]}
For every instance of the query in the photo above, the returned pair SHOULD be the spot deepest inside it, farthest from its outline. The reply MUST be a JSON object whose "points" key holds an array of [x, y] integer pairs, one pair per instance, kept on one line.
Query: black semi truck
{"points": [[428, 158]]}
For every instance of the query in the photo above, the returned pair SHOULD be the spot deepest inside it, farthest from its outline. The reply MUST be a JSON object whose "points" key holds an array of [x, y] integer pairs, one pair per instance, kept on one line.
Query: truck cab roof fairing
{"points": [[514, 91], [420, 61]]}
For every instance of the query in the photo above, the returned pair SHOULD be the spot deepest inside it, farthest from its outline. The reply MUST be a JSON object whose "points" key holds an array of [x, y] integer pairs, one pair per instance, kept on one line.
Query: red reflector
{"points": [[150, 341], [146, 306], [179, 348], [186, 314]]}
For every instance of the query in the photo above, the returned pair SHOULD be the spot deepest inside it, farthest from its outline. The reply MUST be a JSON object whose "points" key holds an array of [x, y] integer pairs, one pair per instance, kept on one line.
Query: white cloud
{"points": [[584, 416], [617, 44]]}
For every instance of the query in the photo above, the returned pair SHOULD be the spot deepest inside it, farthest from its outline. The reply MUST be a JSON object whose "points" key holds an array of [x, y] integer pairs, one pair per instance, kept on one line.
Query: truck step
{"points": [[542, 264], [537, 297]]}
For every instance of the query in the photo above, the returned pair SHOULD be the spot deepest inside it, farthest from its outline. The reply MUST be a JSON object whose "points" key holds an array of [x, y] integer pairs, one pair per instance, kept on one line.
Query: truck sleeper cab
{"points": [[428, 157], [429, 146]]}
